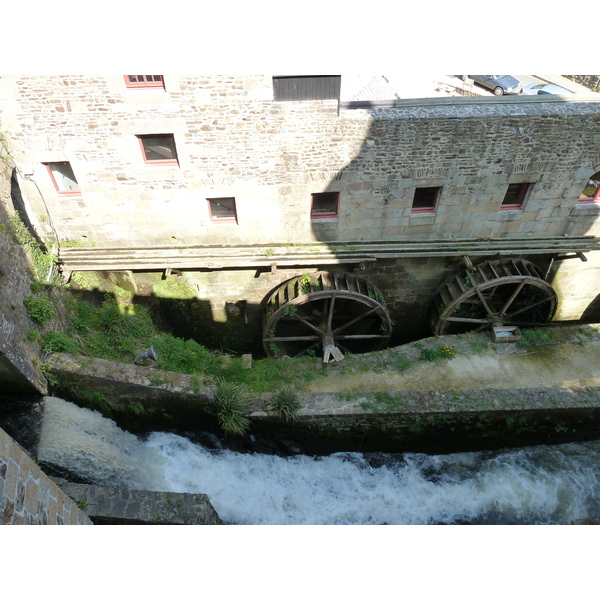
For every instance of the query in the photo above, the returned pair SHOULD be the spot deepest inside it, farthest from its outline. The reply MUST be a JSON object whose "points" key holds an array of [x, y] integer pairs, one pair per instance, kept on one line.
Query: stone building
{"points": [[234, 185]]}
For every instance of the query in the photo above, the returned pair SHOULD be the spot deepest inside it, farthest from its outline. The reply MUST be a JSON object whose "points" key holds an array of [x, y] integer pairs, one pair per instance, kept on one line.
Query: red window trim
{"points": [[167, 162], [595, 199], [522, 193], [328, 215], [427, 209], [58, 190], [215, 219], [145, 83]]}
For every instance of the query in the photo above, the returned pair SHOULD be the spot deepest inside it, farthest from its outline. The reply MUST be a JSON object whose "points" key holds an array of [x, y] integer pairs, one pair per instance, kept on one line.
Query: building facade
{"points": [[241, 185]]}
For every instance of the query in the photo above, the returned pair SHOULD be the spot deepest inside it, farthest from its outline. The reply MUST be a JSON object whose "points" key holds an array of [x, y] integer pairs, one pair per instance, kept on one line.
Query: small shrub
{"points": [[57, 341], [286, 403], [231, 404], [39, 308], [428, 354]]}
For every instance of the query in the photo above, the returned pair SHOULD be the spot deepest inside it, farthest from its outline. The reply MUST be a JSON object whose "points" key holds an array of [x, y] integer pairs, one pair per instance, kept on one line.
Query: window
{"points": [[317, 87], [425, 200], [159, 148], [515, 196], [324, 205], [222, 210], [591, 192], [63, 178], [144, 81]]}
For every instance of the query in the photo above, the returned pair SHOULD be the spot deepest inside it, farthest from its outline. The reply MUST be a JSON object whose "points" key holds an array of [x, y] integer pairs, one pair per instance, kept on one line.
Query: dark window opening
{"points": [[63, 178], [591, 192], [324, 205], [144, 81], [222, 209], [159, 148], [515, 196], [307, 87], [425, 199]]}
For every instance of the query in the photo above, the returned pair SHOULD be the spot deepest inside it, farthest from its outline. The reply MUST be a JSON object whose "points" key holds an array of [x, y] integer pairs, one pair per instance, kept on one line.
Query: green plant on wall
{"points": [[231, 405], [41, 260], [286, 403], [39, 308]]}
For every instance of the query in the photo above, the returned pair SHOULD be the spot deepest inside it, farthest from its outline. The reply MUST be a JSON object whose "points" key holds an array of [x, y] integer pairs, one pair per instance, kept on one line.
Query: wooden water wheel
{"points": [[499, 292], [327, 314]]}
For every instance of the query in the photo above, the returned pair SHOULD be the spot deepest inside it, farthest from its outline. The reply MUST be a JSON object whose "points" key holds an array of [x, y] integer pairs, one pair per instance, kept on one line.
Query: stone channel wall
{"points": [[27, 495], [119, 506], [447, 420]]}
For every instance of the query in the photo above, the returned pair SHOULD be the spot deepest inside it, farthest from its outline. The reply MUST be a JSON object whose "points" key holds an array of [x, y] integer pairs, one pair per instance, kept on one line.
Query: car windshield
{"points": [[498, 76]]}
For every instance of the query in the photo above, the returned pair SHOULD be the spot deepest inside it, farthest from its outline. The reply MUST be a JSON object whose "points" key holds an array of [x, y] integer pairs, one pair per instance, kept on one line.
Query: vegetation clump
{"points": [[231, 405], [286, 403], [39, 308]]}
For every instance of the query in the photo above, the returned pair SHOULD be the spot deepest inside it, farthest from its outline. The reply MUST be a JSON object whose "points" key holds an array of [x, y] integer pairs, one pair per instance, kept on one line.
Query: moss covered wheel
{"points": [[327, 314], [500, 292]]}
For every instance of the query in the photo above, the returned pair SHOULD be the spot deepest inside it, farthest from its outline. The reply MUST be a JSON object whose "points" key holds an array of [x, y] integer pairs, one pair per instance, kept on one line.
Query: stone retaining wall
{"points": [[118, 506], [27, 495], [433, 421]]}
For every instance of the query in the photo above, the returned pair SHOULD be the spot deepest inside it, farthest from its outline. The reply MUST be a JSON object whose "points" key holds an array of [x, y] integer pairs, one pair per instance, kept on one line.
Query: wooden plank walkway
{"points": [[274, 255]]}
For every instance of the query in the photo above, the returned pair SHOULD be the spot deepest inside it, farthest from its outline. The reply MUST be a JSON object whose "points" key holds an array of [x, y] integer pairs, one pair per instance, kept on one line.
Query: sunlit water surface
{"points": [[542, 484]]}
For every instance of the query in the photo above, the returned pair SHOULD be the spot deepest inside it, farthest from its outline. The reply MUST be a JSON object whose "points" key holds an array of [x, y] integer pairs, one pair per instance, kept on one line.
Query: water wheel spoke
{"points": [[303, 320], [330, 312], [366, 336], [355, 320], [512, 298], [484, 303], [342, 348], [307, 349], [529, 307], [293, 338], [466, 320]]}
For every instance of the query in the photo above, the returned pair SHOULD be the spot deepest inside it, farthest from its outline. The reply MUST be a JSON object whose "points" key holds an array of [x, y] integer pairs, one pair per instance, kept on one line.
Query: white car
{"points": [[532, 89]]}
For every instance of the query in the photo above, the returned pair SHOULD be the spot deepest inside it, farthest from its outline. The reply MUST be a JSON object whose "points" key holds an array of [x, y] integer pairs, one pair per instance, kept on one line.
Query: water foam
{"points": [[534, 485], [543, 484]]}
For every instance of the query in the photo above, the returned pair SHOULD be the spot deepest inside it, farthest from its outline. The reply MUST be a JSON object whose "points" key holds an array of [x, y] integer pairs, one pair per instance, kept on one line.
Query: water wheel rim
{"points": [[340, 335]]}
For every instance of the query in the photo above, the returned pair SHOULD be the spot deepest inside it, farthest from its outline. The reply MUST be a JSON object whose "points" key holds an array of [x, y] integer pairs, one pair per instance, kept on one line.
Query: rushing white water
{"points": [[543, 484]]}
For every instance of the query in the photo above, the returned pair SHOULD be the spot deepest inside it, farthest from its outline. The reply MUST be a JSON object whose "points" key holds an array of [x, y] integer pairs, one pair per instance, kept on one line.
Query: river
{"points": [[533, 485]]}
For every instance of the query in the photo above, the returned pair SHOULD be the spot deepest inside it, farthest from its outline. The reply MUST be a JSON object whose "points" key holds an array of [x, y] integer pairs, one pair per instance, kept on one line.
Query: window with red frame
{"points": [[63, 178], [591, 192], [515, 196], [425, 200], [144, 81], [222, 210], [159, 148], [324, 205]]}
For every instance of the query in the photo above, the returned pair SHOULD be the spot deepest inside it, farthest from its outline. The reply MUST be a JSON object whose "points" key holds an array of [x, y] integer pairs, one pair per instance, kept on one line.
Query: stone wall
{"points": [[27, 495], [233, 140], [20, 357], [590, 81], [120, 506]]}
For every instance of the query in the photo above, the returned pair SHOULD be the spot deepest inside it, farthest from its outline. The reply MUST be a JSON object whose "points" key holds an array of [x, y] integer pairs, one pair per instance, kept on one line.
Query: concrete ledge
{"points": [[118, 506]]}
